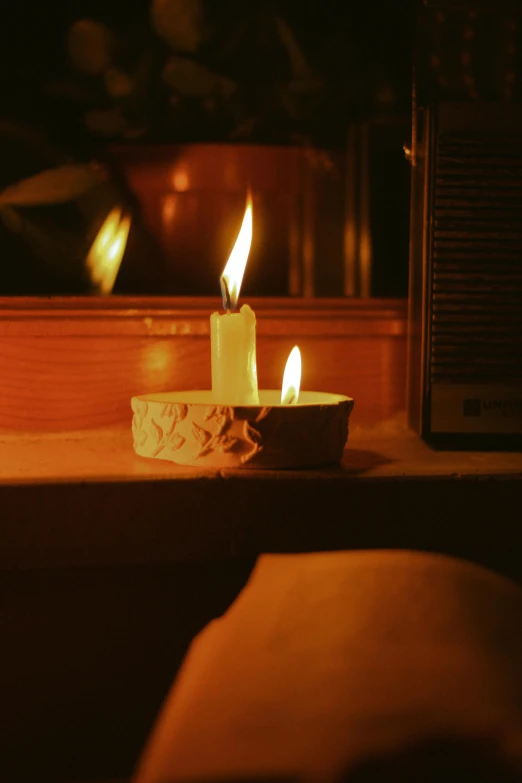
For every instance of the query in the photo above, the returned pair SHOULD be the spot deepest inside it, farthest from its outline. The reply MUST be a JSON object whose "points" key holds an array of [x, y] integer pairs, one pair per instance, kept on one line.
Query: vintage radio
{"points": [[465, 352]]}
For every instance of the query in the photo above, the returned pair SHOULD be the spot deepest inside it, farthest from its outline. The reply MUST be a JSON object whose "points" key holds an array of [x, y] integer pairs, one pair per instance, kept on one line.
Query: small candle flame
{"points": [[292, 378], [232, 276], [107, 250]]}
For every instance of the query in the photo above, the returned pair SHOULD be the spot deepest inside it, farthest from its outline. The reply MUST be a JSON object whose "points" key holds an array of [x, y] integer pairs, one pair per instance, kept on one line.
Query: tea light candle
{"points": [[291, 378], [233, 335]]}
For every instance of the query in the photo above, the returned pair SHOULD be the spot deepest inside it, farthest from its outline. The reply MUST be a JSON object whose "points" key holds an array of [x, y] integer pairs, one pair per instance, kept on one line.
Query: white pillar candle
{"points": [[233, 335], [234, 369]]}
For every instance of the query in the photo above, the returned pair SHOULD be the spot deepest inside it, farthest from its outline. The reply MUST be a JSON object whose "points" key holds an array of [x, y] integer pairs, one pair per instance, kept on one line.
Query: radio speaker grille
{"points": [[476, 315]]}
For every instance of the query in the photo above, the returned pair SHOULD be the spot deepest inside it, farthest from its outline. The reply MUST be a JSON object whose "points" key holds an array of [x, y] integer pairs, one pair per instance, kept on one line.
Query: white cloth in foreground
{"points": [[327, 659]]}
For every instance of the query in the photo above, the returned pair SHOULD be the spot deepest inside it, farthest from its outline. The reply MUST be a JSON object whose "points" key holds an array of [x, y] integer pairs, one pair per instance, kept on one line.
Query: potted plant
{"points": [[199, 100], [161, 96]]}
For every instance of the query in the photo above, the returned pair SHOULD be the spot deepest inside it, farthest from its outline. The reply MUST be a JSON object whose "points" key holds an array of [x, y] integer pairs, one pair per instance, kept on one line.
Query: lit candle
{"points": [[291, 378], [233, 335]]}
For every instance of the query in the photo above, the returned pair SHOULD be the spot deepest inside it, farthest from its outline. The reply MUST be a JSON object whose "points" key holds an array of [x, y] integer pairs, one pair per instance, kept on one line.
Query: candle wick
{"points": [[225, 294]]}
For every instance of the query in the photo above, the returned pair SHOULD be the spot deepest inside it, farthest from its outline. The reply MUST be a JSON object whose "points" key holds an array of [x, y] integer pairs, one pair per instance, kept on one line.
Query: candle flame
{"points": [[232, 276], [107, 250], [292, 378]]}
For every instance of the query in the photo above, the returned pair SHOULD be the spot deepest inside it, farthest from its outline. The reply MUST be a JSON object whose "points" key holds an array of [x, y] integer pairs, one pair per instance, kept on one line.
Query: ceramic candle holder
{"points": [[190, 429]]}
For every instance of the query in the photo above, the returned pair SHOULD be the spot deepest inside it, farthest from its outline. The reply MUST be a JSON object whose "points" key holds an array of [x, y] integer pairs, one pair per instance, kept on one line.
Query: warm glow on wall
{"points": [[180, 180]]}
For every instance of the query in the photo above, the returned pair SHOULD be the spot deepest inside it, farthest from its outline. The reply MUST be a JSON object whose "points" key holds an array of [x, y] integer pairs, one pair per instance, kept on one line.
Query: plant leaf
{"points": [[106, 122], [296, 57], [179, 23], [186, 77], [54, 186]]}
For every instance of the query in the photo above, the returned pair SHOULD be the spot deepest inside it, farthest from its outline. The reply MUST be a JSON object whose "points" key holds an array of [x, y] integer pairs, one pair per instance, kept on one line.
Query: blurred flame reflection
{"points": [[107, 250]]}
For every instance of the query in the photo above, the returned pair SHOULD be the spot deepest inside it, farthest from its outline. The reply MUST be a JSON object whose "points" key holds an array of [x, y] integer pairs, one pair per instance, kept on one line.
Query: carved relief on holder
{"points": [[189, 429]]}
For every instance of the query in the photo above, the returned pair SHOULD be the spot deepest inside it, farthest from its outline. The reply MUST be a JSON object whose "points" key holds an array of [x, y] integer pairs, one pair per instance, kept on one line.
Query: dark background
{"points": [[361, 53], [361, 49]]}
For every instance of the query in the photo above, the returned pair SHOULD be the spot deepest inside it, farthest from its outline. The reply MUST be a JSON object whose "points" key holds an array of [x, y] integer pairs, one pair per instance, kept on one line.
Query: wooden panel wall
{"points": [[74, 364]]}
